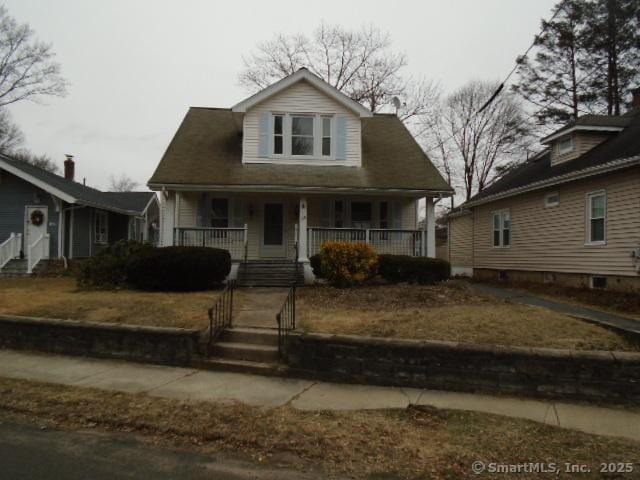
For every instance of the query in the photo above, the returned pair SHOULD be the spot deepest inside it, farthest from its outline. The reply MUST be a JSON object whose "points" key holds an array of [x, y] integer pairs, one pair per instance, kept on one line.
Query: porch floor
{"points": [[258, 307]]}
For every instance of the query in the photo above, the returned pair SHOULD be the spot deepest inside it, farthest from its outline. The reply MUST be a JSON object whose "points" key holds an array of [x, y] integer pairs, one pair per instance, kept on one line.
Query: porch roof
{"points": [[206, 153]]}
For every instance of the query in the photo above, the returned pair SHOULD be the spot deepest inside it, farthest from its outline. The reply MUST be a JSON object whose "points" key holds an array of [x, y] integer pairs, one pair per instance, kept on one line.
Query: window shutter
{"points": [[341, 137], [397, 215], [325, 217], [265, 134], [237, 213]]}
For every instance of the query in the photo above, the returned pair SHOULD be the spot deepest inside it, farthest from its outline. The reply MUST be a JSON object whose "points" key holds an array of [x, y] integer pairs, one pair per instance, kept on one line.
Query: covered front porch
{"points": [[294, 227]]}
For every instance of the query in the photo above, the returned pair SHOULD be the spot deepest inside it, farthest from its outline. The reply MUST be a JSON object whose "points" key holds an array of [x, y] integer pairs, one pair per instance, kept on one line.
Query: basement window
{"points": [[599, 282]]}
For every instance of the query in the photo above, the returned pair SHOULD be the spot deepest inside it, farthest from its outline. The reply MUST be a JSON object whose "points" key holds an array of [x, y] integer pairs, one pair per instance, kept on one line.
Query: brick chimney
{"points": [[635, 103], [69, 167]]}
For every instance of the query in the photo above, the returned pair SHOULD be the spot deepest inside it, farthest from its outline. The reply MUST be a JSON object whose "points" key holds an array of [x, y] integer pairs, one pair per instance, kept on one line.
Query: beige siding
{"points": [[582, 143], [553, 238], [301, 97], [187, 209], [461, 241]]}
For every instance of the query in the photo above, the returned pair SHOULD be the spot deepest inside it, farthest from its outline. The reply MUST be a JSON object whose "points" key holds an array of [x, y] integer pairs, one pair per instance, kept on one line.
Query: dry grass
{"points": [[60, 298], [409, 444], [450, 312]]}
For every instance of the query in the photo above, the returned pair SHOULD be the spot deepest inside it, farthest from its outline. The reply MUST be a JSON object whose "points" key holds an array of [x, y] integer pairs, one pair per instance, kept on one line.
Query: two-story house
{"points": [[570, 215], [296, 164]]}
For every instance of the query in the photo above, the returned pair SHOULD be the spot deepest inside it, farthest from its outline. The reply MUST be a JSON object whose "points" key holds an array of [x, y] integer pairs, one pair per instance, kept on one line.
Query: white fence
{"points": [[10, 248], [389, 241], [38, 250], [232, 239]]}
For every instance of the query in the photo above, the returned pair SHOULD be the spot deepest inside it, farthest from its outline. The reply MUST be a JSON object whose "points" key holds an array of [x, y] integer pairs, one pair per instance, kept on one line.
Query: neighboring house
{"points": [[294, 165], [44, 215], [570, 215]]}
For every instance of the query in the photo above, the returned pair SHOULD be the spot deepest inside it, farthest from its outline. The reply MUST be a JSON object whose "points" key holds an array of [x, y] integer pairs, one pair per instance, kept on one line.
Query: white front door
{"points": [[273, 245], [35, 218]]}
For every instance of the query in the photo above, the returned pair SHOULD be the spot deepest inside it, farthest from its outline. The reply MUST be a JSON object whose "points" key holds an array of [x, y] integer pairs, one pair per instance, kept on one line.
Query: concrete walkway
{"points": [[190, 384], [258, 307], [596, 316]]}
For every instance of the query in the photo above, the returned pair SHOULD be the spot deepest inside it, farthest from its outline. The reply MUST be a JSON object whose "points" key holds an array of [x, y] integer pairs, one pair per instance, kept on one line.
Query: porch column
{"points": [[430, 227], [303, 257]]}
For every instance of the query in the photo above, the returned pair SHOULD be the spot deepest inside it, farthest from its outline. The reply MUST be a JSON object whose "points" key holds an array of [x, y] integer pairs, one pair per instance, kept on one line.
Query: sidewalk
{"points": [[190, 384], [596, 316]]}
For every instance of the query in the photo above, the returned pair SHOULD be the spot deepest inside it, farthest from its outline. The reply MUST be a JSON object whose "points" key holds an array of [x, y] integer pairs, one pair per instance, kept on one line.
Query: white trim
{"points": [[26, 240], [588, 218], [568, 149], [547, 203], [154, 198], [302, 74], [575, 128], [97, 214], [559, 180], [501, 215], [38, 183]]}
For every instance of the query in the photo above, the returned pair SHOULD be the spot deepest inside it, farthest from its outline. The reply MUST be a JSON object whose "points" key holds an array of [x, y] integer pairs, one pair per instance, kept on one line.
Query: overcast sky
{"points": [[136, 66]]}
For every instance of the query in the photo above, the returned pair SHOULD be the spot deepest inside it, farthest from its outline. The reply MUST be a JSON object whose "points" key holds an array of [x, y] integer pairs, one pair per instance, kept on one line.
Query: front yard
{"points": [[450, 311], [53, 297]]}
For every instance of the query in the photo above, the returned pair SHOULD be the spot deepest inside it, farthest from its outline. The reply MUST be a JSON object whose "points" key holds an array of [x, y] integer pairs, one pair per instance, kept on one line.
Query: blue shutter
{"points": [[236, 213], [397, 215], [201, 212], [341, 137], [265, 134]]}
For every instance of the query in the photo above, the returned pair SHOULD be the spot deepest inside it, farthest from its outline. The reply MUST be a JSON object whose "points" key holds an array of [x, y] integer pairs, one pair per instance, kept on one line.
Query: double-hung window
{"points": [[565, 146], [326, 136], [596, 217], [278, 134], [101, 227], [302, 138], [501, 229]]}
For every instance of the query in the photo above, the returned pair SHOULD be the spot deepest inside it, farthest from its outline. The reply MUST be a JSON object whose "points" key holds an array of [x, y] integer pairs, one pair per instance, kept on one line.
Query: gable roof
{"points": [[300, 75], [206, 154], [619, 151], [74, 192]]}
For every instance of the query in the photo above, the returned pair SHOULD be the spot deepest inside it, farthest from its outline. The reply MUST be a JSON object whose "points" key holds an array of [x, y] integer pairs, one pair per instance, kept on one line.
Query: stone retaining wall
{"points": [[467, 367], [168, 346]]}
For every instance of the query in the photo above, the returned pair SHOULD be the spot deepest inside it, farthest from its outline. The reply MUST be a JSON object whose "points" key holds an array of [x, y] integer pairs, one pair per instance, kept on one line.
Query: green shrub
{"points": [[108, 268], [316, 265], [179, 268], [422, 270], [345, 264]]}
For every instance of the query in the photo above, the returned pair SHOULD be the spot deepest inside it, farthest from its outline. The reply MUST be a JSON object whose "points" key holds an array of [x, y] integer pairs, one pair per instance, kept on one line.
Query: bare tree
{"points": [[41, 161], [360, 63], [122, 184], [27, 68], [11, 136], [475, 146]]}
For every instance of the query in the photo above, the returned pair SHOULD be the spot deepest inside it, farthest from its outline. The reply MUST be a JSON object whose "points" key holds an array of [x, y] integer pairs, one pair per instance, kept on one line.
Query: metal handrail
{"points": [[221, 313], [286, 319]]}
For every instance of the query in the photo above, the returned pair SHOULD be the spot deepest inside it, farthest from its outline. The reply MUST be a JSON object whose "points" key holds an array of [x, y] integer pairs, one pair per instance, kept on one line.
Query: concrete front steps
{"points": [[270, 273], [14, 268], [245, 350]]}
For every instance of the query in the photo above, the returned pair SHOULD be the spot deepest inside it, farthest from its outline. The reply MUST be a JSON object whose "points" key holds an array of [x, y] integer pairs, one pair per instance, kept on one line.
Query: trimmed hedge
{"points": [[422, 270], [179, 268], [345, 264], [108, 268]]}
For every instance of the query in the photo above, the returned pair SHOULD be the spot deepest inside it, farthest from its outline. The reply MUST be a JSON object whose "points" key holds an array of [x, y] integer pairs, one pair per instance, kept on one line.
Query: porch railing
{"points": [[391, 241], [221, 313], [10, 248], [38, 250], [286, 319], [232, 239]]}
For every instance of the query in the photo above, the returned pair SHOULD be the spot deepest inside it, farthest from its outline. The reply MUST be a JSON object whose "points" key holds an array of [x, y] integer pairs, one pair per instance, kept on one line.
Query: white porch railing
{"points": [[10, 248], [389, 241], [234, 240], [38, 250]]}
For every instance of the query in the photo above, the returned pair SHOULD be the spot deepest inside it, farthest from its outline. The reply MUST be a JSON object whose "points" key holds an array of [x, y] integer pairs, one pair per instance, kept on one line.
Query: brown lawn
{"points": [[409, 444], [451, 312], [60, 298]]}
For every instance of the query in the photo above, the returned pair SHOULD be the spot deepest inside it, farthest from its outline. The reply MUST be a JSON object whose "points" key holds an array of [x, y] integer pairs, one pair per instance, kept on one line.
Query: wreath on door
{"points": [[37, 217]]}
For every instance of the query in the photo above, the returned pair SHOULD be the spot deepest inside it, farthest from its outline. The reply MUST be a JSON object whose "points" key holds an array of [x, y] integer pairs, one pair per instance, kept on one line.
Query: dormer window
{"points": [[565, 145], [302, 135]]}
